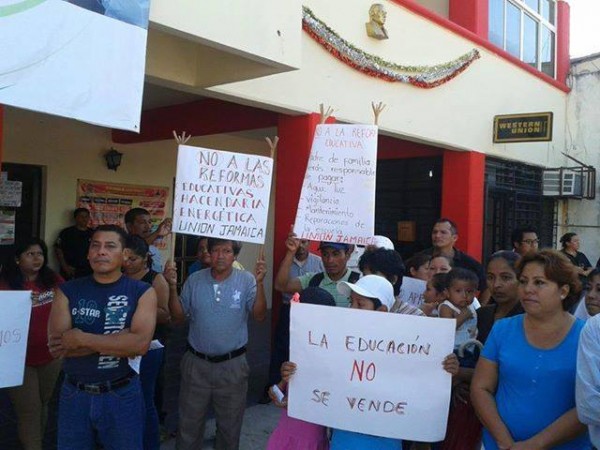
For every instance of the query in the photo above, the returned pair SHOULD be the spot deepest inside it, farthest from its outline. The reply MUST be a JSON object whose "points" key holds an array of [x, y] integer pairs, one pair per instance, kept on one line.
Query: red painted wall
{"points": [[200, 118], [463, 177], [471, 14], [563, 32]]}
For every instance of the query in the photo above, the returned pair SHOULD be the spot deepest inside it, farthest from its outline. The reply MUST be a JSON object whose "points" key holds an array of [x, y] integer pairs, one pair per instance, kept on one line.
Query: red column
{"points": [[470, 14], [563, 31], [462, 197], [295, 140]]}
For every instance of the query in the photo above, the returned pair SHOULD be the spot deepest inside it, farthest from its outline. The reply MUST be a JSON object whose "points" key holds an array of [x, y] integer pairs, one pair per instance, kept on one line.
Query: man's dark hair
{"points": [[453, 227], [235, 245], [79, 211], [517, 234], [133, 213], [387, 262], [112, 229], [460, 274]]}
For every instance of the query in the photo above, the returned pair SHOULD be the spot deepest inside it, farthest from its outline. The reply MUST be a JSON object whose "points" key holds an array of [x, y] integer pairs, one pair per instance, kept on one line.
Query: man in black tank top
{"points": [[96, 323]]}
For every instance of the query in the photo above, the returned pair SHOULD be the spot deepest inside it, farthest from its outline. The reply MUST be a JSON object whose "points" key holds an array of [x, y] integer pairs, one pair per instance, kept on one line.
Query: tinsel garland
{"points": [[424, 76]]}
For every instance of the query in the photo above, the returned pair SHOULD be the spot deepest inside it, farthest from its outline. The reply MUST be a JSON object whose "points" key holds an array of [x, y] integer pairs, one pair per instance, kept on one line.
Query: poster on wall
{"points": [[337, 202], [81, 59], [108, 202], [7, 227], [222, 194]]}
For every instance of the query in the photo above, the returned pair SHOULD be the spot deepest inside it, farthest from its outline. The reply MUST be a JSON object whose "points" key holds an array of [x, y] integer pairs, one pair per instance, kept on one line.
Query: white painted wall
{"points": [[69, 150], [456, 115], [263, 29], [583, 142]]}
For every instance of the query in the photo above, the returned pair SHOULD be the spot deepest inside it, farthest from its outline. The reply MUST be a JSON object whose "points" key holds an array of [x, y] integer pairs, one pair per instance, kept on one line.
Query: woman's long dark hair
{"points": [[12, 274]]}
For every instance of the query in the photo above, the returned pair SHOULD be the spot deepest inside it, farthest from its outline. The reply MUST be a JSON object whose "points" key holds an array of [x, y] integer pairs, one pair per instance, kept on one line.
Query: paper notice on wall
{"points": [[11, 192], [222, 194], [370, 372], [7, 227], [14, 328], [82, 59], [337, 202]]}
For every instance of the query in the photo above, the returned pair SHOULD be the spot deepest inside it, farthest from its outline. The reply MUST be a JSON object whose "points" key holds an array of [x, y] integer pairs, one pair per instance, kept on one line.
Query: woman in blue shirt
{"points": [[523, 389]]}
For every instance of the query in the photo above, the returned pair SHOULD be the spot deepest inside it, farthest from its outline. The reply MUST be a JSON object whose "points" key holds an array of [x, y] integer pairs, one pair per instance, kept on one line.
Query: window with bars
{"points": [[527, 30]]}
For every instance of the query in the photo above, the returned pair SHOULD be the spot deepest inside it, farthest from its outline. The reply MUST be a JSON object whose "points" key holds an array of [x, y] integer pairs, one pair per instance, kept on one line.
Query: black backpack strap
{"points": [[354, 277], [315, 281]]}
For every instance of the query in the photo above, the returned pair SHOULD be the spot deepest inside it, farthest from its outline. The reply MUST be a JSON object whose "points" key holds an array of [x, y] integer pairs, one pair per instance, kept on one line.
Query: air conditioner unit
{"points": [[564, 183]]}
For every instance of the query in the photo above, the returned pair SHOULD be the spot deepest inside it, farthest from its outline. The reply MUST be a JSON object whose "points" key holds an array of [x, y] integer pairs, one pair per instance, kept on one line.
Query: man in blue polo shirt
{"points": [[97, 322], [214, 371], [335, 258]]}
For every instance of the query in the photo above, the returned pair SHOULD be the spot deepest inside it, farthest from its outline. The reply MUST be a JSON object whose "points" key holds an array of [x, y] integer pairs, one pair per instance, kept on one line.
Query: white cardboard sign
{"points": [[337, 203], [222, 194], [14, 328], [412, 291], [80, 59], [370, 372]]}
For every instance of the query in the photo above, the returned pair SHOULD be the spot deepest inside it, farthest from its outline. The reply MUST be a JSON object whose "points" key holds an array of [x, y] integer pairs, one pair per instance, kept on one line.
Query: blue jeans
{"points": [[149, 370], [115, 418]]}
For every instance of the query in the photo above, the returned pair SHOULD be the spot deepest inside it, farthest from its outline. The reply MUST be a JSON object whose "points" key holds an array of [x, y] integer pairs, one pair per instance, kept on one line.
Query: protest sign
{"points": [[14, 328], [82, 59], [412, 291], [370, 372], [222, 194], [337, 203]]}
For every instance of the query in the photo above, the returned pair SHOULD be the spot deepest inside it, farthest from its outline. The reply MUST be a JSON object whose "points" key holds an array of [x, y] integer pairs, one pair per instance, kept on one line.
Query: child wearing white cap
{"points": [[371, 292]]}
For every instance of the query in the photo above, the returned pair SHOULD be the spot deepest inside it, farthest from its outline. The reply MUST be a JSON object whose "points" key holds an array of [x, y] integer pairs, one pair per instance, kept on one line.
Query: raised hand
{"points": [[170, 273], [260, 269], [292, 243]]}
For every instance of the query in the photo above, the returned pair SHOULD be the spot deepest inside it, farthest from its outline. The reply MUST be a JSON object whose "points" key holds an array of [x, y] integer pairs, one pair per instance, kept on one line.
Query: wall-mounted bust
{"points": [[375, 25]]}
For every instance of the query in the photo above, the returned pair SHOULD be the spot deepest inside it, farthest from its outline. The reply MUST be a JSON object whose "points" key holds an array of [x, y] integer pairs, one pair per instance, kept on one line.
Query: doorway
{"points": [[27, 216]]}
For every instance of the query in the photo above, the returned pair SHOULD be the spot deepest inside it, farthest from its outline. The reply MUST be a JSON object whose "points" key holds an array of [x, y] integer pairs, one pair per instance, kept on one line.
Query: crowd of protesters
{"points": [[521, 376]]}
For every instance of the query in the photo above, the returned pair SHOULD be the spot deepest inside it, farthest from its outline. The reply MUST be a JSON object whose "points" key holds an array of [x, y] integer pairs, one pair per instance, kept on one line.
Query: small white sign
{"points": [[412, 291], [370, 372], [14, 329], [337, 203], [222, 194]]}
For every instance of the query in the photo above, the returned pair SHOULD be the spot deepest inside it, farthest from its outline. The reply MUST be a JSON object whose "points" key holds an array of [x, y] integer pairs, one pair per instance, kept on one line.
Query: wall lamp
{"points": [[113, 159]]}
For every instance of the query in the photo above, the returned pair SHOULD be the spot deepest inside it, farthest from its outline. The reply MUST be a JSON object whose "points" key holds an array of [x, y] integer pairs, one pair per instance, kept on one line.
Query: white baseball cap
{"points": [[383, 242], [372, 286]]}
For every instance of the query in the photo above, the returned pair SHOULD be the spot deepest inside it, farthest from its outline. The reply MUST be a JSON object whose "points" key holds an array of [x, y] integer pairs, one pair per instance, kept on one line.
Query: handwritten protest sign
{"points": [[412, 291], [14, 328], [222, 194], [371, 372], [337, 203]]}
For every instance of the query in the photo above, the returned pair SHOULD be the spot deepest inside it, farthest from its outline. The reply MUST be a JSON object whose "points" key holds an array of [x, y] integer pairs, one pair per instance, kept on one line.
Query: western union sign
{"points": [[523, 127]]}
